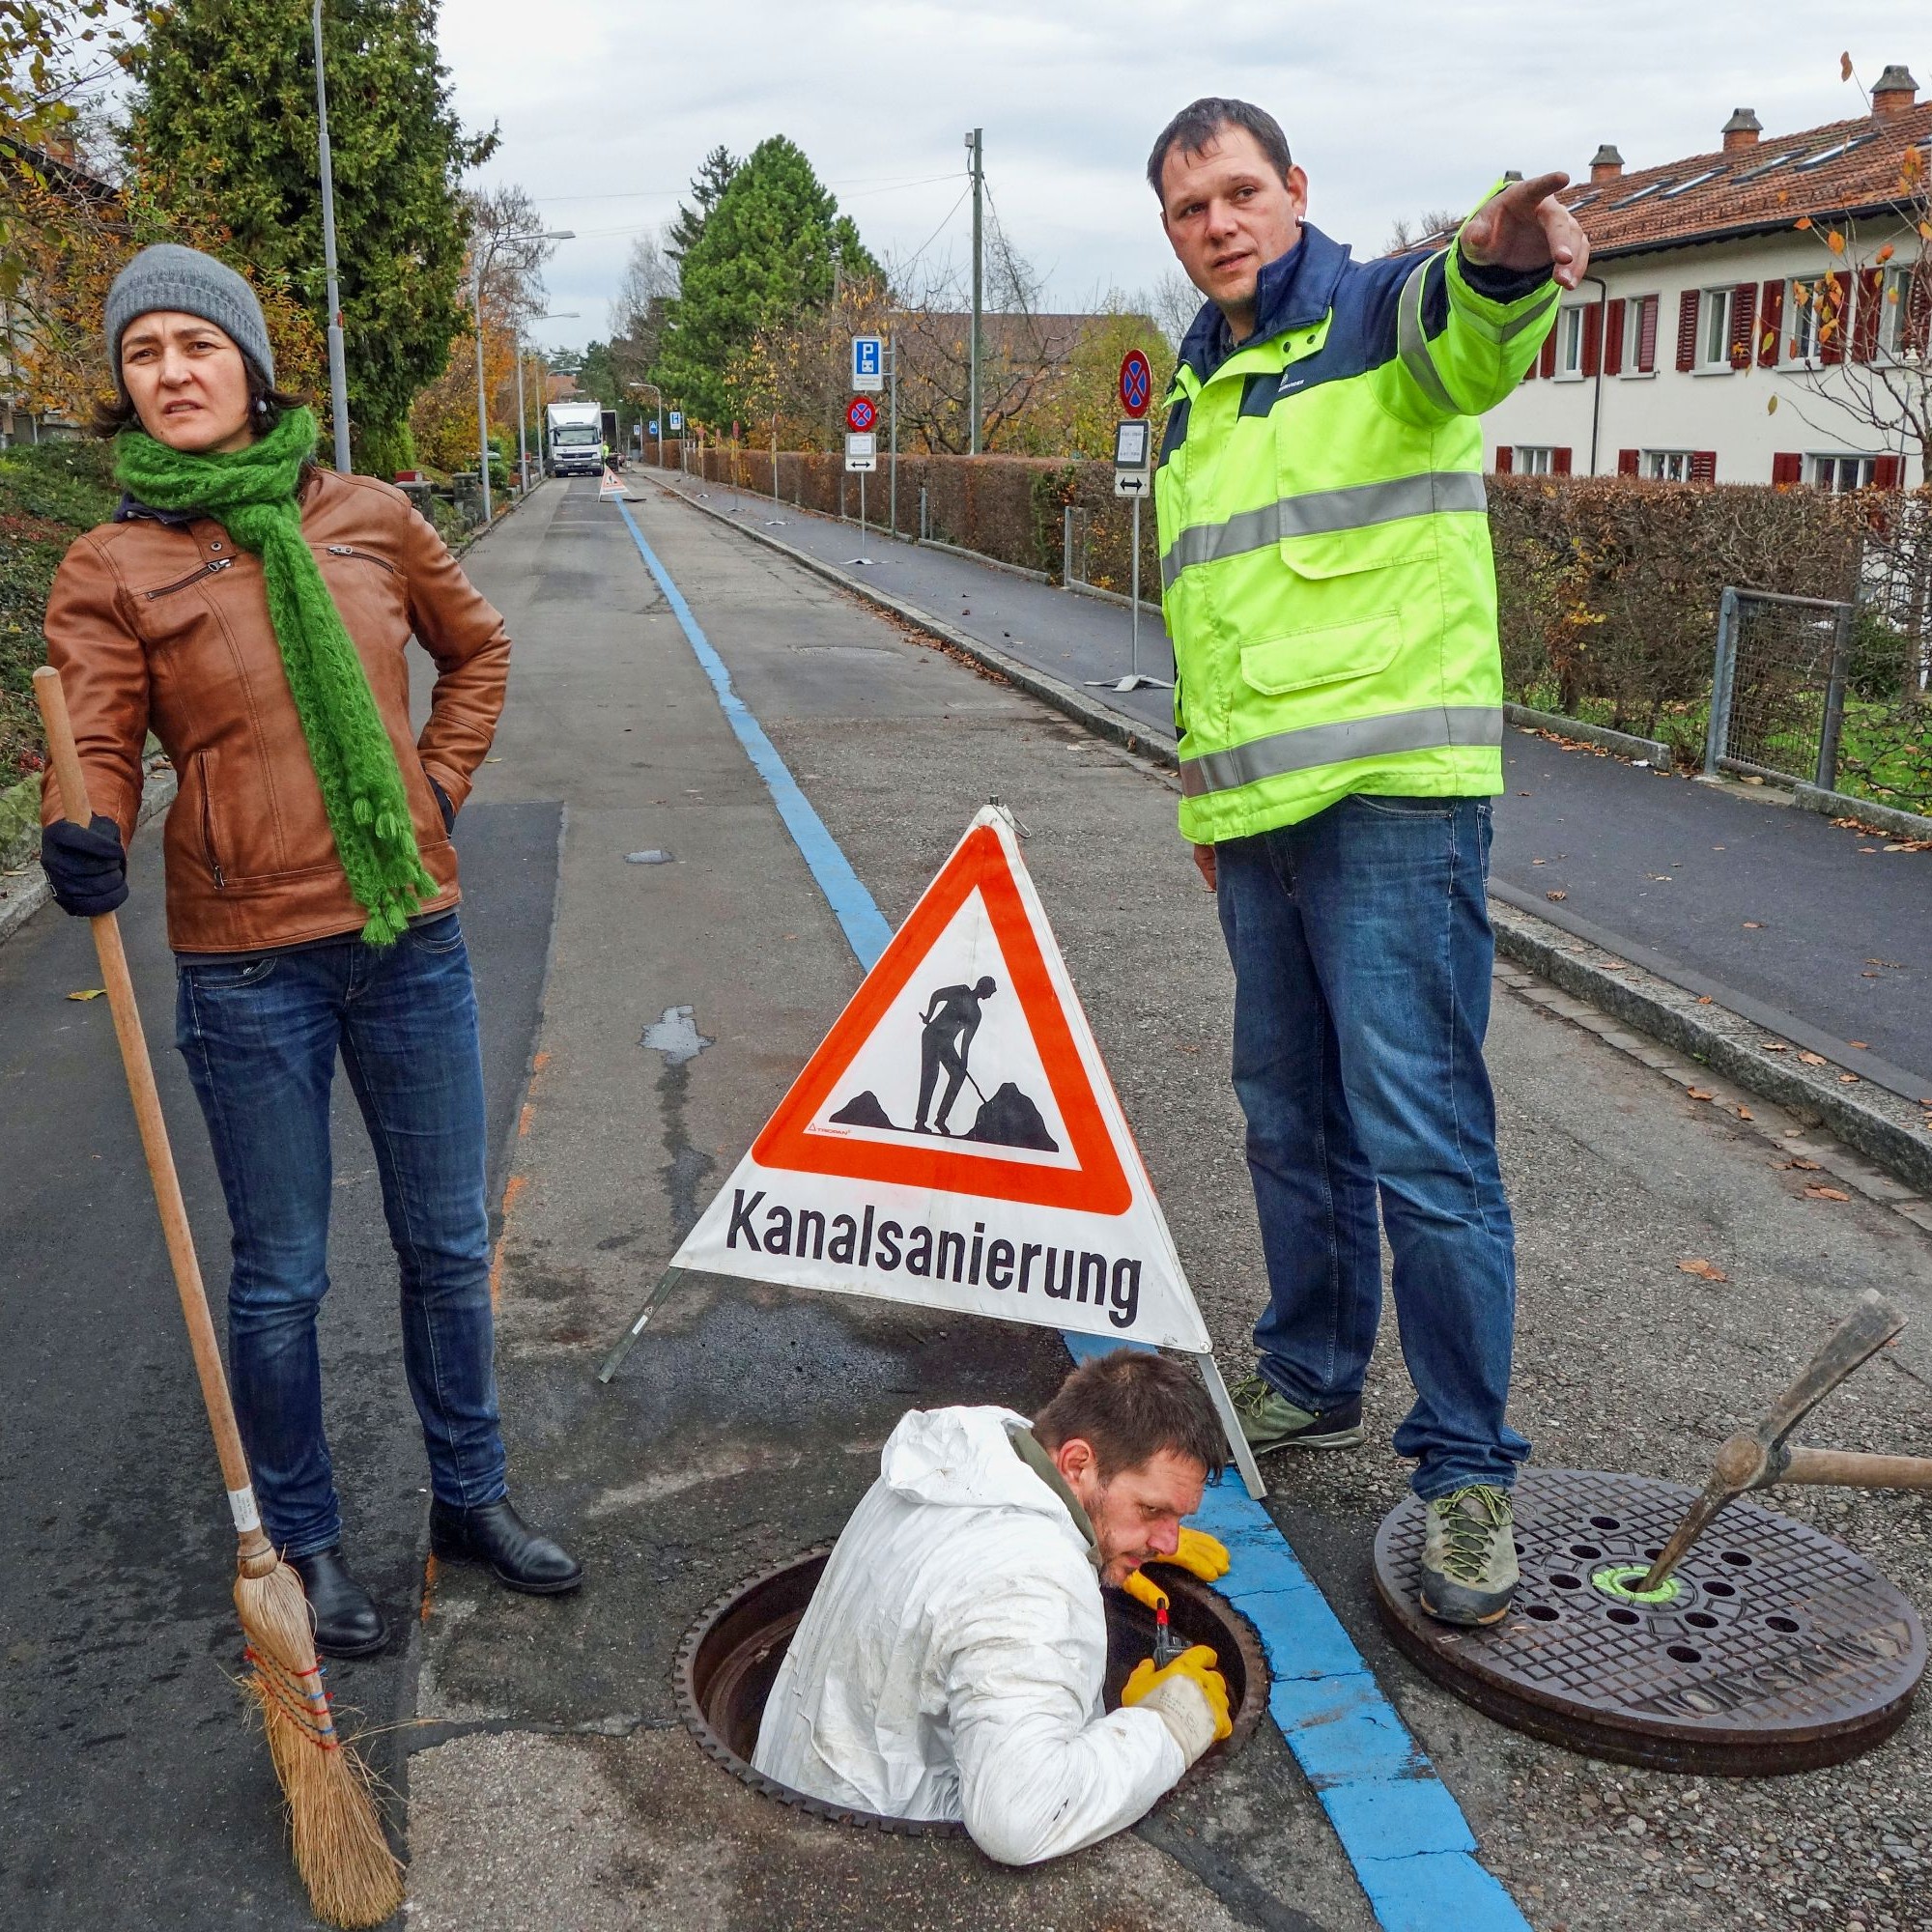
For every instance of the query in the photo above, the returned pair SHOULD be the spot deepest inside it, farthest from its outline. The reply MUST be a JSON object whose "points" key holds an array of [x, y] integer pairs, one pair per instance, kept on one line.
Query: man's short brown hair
{"points": [[1131, 1406], [1197, 124]]}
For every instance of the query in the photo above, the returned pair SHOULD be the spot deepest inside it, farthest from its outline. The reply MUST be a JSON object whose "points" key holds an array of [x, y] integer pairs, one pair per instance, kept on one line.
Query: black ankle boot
{"points": [[347, 1622], [494, 1534]]}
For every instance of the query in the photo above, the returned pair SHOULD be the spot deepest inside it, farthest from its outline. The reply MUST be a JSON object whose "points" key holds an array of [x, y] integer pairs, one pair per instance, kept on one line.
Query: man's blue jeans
{"points": [[1362, 950], [261, 1036]]}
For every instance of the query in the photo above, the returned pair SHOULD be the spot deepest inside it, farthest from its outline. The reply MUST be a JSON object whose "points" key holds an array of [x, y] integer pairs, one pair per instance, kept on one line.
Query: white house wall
{"points": [[1725, 409]]}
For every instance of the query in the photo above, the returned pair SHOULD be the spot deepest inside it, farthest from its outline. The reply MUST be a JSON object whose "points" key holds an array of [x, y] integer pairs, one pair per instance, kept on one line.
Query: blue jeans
{"points": [[1361, 945], [261, 1034]]}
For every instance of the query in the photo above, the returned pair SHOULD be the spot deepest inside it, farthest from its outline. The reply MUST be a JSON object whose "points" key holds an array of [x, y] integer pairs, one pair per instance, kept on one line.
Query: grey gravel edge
{"points": [[1884, 1127], [1842, 805]]}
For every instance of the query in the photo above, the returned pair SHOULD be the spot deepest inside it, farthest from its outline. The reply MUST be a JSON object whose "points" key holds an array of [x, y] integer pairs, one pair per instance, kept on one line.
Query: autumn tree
{"points": [[223, 128], [763, 256]]}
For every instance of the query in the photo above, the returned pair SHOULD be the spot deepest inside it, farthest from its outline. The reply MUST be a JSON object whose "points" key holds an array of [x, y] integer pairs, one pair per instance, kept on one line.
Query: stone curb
{"points": [[1126, 732], [24, 892], [1886, 1127], [1652, 751], [1842, 805]]}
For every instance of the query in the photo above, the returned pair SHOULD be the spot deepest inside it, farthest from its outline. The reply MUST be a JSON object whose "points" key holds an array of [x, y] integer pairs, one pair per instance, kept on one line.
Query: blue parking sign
{"points": [[676, 421], [868, 362]]}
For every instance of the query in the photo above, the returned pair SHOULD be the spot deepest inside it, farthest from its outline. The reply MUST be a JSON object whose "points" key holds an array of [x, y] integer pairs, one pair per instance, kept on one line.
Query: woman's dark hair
{"points": [[1200, 120], [266, 404], [1129, 1406]]}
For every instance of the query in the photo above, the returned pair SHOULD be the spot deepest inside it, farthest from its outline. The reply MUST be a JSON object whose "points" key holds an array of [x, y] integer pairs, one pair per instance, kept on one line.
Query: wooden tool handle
{"points": [[147, 1117], [1857, 1470]]}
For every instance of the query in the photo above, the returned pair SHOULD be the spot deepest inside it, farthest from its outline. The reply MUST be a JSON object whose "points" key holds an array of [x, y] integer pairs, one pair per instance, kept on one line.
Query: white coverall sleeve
{"points": [[1037, 1777]]}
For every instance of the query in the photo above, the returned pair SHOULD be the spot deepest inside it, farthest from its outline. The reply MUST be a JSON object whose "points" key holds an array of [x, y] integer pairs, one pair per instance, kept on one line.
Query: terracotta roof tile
{"points": [[1837, 169]]}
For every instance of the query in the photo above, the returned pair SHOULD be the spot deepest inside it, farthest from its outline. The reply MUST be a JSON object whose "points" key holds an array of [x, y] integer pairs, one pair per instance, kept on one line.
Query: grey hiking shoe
{"points": [[1270, 1421], [1468, 1556]]}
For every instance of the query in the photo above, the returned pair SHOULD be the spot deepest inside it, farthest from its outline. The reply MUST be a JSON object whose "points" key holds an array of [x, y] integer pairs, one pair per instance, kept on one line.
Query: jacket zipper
{"points": [[366, 555], [207, 836], [193, 576]]}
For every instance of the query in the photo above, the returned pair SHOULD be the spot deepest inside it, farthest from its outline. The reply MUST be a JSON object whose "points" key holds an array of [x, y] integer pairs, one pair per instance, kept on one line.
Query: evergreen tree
{"points": [[225, 130], [712, 179], [763, 256]]}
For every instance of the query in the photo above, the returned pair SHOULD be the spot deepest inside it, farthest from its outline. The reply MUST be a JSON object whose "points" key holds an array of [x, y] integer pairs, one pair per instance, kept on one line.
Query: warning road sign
{"points": [[955, 1141]]}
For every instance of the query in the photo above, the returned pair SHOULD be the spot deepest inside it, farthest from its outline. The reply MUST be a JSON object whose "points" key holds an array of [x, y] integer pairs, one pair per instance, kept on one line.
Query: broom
{"points": [[352, 1876]]}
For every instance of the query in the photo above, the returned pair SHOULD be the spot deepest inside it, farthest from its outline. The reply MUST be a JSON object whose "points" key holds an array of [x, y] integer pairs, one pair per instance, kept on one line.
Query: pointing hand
{"points": [[1526, 227]]}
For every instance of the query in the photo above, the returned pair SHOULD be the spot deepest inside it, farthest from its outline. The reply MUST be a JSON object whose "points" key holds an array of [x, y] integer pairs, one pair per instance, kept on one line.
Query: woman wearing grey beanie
{"points": [[253, 611]]}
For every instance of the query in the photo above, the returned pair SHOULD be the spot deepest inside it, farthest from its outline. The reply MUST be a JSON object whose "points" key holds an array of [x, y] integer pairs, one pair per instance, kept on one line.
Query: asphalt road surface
{"points": [[134, 1790], [1809, 927]]}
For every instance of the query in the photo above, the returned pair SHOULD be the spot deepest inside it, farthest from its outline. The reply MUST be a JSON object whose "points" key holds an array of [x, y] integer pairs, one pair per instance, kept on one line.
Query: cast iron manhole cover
{"points": [[1775, 1650], [727, 1661]]}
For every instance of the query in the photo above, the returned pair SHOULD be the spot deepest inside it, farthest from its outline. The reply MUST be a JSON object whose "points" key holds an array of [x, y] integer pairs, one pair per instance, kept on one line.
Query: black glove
{"points": [[442, 804], [85, 865]]}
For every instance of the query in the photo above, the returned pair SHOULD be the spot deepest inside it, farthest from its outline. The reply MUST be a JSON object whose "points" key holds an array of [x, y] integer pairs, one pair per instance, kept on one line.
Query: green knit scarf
{"points": [[251, 494]]}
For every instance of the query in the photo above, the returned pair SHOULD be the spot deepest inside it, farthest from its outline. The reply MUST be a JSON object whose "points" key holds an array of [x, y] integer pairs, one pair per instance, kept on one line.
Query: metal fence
{"points": [[1777, 688]]}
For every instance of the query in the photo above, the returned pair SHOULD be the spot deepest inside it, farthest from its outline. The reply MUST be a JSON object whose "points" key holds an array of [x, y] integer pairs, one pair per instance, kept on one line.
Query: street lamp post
{"points": [[338, 376], [476, 297]]}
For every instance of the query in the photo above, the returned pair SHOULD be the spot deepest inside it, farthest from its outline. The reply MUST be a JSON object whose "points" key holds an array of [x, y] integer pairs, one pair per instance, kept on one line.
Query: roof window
{"points": [[1648, 189], [1832, 153], [1692, 181], [1765, 167], [1585, 199]]}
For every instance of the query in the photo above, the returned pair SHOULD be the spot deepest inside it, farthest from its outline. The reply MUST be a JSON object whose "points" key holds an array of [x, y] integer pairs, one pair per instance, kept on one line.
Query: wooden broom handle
{"points": [[147, 1117]]}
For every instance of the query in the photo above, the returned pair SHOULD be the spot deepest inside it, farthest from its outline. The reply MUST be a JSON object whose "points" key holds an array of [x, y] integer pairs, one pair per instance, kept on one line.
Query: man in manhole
{"points": [[1326, 580], [951, 1662]]}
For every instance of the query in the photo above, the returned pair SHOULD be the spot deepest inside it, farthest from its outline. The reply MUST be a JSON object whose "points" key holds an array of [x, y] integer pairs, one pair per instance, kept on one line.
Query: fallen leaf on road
{"points": [[1816, 1193], [1753, 926], [1538, 862], [1710, 1271], [1662, 878], [1701, 1094], [1809, 1166], [1775, 1046], [1868, 848], [88, 993], [1557, 896], [1703, 999], [1855, 1042], [1746, 1114], [1848, 1079], [1812, 1059]]}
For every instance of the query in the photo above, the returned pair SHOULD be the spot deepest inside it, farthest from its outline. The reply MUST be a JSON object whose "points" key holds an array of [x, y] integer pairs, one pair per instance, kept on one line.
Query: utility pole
{"points": [[977, 147], [476, 297], [893, 434], [338, 374]]}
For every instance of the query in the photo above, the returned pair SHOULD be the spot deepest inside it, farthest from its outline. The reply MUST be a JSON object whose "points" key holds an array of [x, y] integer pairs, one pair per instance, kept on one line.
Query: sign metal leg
{"points": [[1230, 1427], [614, 1361]]}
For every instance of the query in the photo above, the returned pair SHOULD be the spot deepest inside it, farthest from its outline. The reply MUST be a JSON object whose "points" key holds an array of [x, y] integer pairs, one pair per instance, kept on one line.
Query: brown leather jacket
{"points": [[164, 626]]}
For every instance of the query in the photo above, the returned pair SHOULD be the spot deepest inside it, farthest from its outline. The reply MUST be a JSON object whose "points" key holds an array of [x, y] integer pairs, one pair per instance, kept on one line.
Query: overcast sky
{"points": [[1392, 106]]}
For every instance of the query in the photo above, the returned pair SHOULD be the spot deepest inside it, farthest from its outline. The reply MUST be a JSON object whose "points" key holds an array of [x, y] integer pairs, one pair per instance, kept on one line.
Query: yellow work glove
{"points": [[1200, 1555], [1189, 1696], [1143, 1589]]}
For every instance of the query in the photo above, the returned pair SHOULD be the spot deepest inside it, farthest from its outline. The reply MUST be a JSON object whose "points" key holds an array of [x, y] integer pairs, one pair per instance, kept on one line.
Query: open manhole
{"points": [[728, 1661], [1772, 1648]]}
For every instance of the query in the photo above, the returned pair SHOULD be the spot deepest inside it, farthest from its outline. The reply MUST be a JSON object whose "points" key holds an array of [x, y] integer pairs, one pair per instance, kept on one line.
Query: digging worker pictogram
{"points": [[1326, 580], [951, 1019]]}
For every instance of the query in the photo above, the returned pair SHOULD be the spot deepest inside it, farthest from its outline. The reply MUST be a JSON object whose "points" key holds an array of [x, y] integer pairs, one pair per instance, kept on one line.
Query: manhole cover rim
{"points": [[1178, 1585]]}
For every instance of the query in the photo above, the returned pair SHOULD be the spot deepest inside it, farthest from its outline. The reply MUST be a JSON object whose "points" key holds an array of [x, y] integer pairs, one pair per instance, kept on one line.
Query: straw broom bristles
{"points": [[353, 1878]]}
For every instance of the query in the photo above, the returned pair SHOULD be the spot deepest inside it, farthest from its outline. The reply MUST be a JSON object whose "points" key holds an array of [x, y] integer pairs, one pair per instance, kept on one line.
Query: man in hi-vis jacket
{"points": [[1328, 584]]}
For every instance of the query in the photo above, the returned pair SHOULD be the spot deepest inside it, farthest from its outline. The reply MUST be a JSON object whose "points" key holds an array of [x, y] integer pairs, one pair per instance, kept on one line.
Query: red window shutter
{"points": [[1546, 366], [1613, 339], [1505, 459], [1626, 462], [1646, 337], [1864, 332], [1918, 300], [1559, 463], [1787, 467], [1703, 465], [1770, 322], [1593, 339], [1743, 314], [1833, 316], [1687, 329], [1884, 473]]}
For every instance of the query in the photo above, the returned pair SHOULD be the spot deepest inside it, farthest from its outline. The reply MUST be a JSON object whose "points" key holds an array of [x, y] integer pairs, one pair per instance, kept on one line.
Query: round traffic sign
{"points": [[1136, 384], [860, 414]]}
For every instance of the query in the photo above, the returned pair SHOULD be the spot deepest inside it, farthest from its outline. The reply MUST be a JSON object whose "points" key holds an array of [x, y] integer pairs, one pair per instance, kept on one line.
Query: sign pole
{"points": [[861, 510], [893, 433], [1134, 586]]}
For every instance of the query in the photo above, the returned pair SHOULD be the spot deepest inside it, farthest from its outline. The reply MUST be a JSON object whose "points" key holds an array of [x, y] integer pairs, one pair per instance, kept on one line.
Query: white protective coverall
{"points": [[951, 1663]]}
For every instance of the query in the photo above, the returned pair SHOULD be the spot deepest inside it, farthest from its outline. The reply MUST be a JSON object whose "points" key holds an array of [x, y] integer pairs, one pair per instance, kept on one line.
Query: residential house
{"points": [[1698, 349]]}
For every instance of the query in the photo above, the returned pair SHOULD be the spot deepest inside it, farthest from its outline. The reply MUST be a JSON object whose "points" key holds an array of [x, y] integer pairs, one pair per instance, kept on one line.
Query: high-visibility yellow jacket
{"points": [[1325, 568]]}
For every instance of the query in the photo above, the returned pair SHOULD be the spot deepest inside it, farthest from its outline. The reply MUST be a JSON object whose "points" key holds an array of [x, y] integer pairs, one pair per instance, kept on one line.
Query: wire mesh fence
{"points": [[1779, 686]]}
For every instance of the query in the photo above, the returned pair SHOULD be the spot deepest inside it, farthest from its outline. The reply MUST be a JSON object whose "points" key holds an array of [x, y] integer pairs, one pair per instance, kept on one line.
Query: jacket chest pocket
{"points": [[168, 613]]}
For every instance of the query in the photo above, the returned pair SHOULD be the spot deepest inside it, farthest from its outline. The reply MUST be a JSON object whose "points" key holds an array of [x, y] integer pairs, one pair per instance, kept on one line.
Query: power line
{"points": [[885, 184]]}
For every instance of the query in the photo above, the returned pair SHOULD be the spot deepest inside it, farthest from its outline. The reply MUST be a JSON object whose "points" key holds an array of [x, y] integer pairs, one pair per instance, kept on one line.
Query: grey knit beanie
{"points": [[169, 277]]}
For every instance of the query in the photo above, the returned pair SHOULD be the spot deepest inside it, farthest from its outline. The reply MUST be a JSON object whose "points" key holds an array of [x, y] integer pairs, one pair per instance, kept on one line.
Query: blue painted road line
{"points": [[852, 905], [1403, 1833]]}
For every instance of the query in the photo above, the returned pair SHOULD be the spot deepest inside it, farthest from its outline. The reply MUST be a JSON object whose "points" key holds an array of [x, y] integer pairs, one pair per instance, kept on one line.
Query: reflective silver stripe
{"points": [[1508, 331], [1321, 513], [1431, 729], [1412, 346]]}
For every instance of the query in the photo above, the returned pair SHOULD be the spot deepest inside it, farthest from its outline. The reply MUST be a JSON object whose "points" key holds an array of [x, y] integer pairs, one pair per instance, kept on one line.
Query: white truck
{"points": [[574, 440]]}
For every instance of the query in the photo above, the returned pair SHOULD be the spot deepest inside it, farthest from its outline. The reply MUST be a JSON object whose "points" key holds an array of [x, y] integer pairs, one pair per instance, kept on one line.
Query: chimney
{"points": [[1741, 131], [1895, 93], [1605, 164]]}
